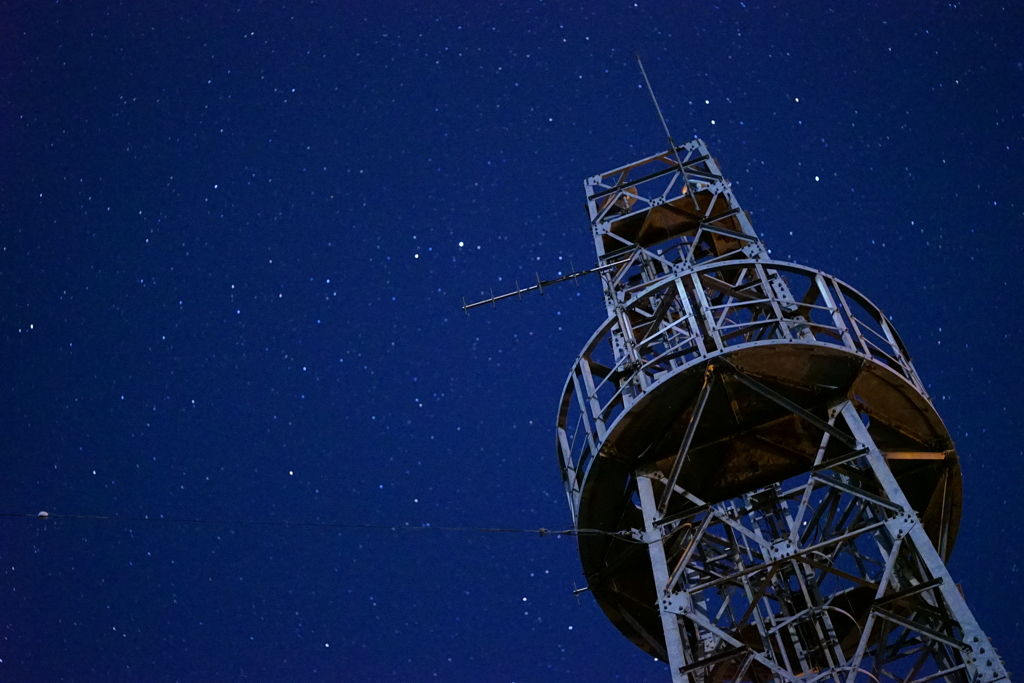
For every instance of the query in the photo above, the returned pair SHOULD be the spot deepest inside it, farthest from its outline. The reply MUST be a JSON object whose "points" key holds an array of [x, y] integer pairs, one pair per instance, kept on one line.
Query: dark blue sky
{"points": [[234, 238]]}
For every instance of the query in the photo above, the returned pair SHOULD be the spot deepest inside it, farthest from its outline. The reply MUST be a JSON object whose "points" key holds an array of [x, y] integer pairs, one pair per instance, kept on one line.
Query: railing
{"points": [[686, 318]]}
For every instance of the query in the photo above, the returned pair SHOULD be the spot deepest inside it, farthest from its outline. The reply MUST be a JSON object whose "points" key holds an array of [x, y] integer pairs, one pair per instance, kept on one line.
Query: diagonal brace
{"points": [[684, 447]]}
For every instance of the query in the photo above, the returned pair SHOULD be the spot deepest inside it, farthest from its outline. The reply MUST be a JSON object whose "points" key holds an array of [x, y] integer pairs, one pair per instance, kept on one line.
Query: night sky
{"points": [[234, 241]]}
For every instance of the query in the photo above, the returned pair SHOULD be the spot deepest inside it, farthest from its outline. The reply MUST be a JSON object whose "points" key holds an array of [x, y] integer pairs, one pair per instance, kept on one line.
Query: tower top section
{"points": [[664, 215]]}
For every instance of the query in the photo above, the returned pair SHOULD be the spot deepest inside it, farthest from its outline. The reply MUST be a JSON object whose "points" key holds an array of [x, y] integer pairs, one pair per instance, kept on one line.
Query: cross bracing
{"points": [[823, 576], [760, 427]]}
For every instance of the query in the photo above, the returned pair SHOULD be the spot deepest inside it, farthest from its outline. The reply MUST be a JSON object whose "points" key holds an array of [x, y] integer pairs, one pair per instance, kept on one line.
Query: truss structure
{"points": [[826, 576], [669, 210], [760, 427]]}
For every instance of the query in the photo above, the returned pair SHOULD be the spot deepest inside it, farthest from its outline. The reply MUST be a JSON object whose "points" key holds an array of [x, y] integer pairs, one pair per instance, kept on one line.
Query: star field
{"points": [[234, 243]]}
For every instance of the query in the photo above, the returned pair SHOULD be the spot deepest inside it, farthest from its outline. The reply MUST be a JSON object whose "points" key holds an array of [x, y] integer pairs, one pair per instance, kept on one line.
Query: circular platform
{"points": [[745, 442]]}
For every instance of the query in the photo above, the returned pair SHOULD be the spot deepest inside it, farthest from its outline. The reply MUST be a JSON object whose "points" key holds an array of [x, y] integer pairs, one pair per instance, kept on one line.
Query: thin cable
{"points": [[621, 535]]}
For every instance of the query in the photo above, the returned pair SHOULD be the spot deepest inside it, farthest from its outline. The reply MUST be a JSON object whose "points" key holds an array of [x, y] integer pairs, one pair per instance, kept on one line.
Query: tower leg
{"points": [[979, 659], [656, 549]]}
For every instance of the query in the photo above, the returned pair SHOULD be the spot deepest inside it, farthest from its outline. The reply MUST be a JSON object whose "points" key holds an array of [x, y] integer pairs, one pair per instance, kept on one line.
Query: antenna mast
{"points": [[657, 108]]}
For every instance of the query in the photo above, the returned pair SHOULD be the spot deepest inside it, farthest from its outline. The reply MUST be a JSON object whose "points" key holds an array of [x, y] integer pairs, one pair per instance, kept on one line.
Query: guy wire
{"points": [[621, 535]]}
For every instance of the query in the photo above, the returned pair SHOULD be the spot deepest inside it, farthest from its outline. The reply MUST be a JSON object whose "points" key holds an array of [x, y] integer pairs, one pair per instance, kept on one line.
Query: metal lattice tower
{"points": [[778, 493]]}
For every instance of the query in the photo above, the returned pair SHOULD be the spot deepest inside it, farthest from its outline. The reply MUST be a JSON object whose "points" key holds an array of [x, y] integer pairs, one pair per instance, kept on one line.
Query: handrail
{"points": [[697, 332]]}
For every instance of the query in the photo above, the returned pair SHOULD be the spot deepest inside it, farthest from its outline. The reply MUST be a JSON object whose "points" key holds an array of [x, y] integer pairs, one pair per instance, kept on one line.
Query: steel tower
{"points": [[776, 493]]}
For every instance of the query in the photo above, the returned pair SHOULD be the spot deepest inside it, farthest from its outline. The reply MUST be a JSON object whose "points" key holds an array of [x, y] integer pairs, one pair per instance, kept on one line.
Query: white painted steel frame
{"points": [[757, 582], [845, 523]]}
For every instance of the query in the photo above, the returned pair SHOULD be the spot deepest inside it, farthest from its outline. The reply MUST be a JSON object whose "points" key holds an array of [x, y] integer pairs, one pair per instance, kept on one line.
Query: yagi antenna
{"points": [[541, 284]]}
